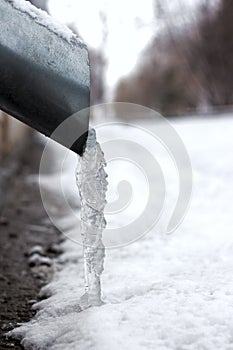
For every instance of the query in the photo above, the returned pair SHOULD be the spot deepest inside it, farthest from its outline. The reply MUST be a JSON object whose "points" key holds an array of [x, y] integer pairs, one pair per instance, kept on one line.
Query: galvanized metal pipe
{"points": [[44, 77]]}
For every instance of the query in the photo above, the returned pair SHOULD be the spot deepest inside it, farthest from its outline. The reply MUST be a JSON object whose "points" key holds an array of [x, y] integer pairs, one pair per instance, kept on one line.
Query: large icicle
{"points": [[92, 185]]}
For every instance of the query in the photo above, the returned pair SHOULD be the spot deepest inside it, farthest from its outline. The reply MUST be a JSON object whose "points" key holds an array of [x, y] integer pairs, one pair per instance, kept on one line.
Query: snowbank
{"points": [[163, 293]]}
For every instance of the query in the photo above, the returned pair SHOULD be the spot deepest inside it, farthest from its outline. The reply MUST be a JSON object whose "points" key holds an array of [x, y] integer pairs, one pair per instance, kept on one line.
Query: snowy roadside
{"points": [[26, 237], [161, 292]]}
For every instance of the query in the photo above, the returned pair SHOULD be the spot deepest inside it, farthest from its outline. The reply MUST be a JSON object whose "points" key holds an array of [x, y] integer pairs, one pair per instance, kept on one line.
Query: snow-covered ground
{"points": [[162, 292]]}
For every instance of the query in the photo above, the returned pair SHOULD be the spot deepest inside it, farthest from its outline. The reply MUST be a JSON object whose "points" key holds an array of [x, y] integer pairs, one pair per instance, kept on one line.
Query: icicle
{"points": [[92, 185]]}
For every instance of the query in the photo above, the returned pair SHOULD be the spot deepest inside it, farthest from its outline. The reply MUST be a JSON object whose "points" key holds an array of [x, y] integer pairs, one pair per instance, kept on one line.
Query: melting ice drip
{"points": [[92, 185]]}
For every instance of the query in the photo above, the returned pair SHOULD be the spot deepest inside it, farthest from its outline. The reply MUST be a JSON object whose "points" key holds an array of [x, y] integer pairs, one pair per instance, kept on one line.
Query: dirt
{"points": [[23, 224]]}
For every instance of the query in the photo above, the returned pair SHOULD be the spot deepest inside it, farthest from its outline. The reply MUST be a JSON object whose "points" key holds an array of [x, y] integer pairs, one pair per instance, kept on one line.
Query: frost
{"points": [[42, 18]]}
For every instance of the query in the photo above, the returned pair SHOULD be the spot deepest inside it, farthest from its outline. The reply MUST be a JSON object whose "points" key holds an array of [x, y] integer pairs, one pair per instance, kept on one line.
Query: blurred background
{"points": [[175, 56]]}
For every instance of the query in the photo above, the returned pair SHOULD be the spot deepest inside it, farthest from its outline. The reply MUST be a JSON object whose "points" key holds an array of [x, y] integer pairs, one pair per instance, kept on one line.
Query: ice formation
{"points": [[92, 185]]}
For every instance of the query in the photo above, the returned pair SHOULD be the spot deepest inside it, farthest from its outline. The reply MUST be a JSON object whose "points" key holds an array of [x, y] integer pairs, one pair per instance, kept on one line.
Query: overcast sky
{"points": [[131, 24]]}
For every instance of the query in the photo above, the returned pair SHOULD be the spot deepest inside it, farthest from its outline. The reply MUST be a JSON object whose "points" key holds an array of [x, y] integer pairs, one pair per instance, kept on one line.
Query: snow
{"points": [[37, 259], [42, 18], [162, 292], [36, 249]]}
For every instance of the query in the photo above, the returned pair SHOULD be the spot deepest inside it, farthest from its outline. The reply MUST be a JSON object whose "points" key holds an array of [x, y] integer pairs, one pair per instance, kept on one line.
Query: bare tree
{"points": [[215, 47]]}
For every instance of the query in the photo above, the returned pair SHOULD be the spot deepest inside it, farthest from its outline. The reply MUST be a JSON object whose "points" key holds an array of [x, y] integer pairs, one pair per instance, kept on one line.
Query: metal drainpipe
{"points": [[44, 78]]}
